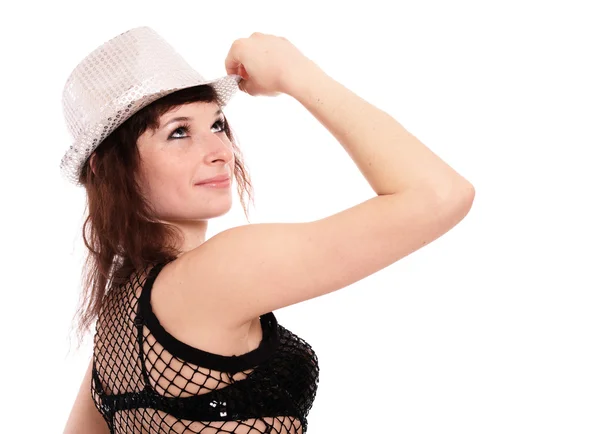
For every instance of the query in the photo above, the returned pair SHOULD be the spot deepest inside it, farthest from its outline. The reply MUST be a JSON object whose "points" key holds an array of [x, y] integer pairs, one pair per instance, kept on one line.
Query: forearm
{"points": [[389, 157]]}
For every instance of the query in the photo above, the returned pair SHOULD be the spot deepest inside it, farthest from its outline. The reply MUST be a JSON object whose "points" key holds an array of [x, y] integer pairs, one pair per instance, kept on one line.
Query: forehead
{"points": [[198, 108], [197, 111]]}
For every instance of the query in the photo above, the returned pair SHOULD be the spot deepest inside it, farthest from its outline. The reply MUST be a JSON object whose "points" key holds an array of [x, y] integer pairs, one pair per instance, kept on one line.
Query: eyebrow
{"points": [[184, 118]]}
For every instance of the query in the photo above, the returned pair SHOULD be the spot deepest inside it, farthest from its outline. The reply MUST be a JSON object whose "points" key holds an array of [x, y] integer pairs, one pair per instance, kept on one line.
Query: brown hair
{"points": [[120, 231]]}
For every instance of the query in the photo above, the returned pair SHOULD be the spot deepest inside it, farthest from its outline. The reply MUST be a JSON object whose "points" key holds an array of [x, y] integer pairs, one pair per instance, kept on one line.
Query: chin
{"points": [[217, 208]]}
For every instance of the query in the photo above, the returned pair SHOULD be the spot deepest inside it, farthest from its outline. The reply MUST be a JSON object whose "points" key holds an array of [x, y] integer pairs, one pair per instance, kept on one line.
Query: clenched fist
{"points": [[268, 64]]}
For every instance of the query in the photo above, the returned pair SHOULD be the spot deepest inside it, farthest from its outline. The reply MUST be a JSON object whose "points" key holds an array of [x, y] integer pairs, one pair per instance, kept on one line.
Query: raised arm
{"points": [[249, 270], [390, 158]]}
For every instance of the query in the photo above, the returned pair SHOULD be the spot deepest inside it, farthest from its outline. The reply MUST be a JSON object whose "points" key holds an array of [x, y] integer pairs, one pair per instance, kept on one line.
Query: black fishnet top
{"points": [[144, 380]]}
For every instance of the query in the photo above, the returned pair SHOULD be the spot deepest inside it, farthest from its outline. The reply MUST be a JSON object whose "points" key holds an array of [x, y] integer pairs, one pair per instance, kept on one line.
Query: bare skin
{"points": [[418, 199], [174, 159]]}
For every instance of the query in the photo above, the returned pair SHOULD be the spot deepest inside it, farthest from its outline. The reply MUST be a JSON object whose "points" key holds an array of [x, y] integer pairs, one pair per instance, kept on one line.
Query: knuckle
{"points": [[236, 43]]}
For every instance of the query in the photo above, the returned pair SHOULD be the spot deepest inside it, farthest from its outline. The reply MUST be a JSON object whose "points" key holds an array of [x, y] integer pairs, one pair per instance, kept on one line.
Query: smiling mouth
{"points": [[216, 184]]}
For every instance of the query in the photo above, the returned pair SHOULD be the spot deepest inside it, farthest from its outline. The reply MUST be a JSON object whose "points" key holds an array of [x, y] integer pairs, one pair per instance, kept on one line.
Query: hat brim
{"points": [[119, 110]]}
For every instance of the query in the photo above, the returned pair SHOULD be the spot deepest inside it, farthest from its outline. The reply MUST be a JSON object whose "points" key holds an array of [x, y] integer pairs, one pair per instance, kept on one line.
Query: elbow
{"points": [[457, 195], [466, 194]]}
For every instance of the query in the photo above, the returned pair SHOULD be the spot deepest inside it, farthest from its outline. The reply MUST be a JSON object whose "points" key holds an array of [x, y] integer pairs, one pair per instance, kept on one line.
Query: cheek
{"points": [[166, 193], [159, 179], [168, 180]]}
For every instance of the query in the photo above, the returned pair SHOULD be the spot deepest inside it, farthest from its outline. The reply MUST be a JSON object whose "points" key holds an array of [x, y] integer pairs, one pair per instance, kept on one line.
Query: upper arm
{"points": [[246, 271], [84, 416]]}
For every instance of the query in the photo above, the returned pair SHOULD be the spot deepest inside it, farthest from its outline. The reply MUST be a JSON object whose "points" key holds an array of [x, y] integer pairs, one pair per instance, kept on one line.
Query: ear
{"points": [[93, 162]]}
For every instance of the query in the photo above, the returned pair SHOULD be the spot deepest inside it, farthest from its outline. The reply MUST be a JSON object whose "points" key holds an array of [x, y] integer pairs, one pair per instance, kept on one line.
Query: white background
{"points": [[493, 328]]}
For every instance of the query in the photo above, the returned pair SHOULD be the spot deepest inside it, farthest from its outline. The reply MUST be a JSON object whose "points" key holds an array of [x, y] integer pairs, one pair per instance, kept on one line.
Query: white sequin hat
{"points": [[117, 79]]}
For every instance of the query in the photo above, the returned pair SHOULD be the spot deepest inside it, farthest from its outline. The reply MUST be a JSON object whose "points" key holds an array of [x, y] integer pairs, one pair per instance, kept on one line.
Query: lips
{"points": [[216, 179]]}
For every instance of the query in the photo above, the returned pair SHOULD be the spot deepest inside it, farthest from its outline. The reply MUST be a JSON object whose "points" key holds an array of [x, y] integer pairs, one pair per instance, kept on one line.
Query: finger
{"points": [[233, 60], [243, 73], [248, 87]]}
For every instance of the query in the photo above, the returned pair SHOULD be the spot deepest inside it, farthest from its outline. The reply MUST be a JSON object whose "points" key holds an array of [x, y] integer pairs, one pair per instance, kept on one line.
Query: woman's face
{"points": [[181, 153]]}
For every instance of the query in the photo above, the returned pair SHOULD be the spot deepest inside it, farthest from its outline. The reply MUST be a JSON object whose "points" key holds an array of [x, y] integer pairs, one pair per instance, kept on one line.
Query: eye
{"points": [[221, 124], [186, 128]]}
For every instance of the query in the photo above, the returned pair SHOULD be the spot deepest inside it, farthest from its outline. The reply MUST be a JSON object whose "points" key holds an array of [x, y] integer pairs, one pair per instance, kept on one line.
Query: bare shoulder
{"points": [[200, 324]]}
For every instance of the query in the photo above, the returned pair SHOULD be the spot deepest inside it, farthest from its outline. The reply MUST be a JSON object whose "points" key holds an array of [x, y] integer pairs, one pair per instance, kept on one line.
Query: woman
{"points": [[186, 340]]}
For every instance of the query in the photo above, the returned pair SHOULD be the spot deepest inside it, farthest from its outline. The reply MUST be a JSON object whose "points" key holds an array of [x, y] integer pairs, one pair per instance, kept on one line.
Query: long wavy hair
{"points": [[121, 232]]}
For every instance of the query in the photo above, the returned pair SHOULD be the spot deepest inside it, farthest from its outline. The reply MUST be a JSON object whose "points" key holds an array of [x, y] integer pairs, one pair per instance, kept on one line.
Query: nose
{"points": [[219, 149]]}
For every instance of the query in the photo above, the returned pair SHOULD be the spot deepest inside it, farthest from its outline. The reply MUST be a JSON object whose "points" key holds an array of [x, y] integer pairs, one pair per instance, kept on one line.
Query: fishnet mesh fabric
{"points": [[146, 381]]}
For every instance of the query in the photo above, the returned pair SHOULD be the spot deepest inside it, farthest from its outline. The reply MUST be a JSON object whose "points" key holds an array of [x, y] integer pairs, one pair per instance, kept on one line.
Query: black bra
{"points": [[267, 346]]}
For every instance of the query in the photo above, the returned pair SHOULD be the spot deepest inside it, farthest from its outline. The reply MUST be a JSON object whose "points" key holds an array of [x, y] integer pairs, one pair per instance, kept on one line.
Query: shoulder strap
{"points": [[139, 320]]}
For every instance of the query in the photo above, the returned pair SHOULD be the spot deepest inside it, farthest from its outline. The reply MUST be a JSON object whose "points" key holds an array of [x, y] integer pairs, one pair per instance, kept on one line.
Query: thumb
{"points": [[247, 86]]}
